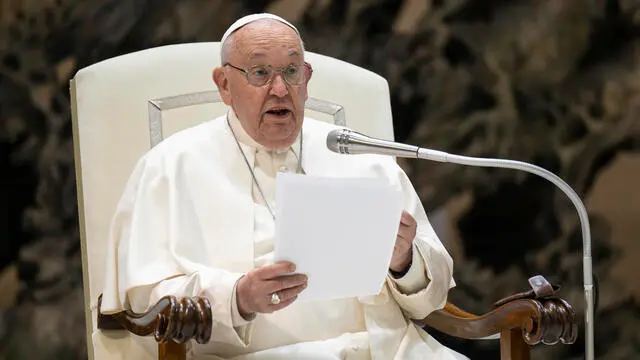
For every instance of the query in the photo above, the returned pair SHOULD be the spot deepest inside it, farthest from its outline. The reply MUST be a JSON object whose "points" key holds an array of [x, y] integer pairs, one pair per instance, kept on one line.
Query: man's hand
{"points": [[254, 290], [403, 250]]}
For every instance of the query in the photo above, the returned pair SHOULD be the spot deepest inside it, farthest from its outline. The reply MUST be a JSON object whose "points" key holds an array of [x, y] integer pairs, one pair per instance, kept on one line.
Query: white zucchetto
{"points": [[251, 18]]}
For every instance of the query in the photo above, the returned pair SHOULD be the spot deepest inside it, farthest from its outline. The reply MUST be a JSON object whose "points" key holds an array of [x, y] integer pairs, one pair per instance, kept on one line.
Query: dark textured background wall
{"points": [[550, 82]]}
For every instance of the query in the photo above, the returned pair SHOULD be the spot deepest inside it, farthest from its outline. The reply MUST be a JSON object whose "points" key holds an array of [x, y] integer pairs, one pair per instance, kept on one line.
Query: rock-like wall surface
{"points": [[550, 82]]}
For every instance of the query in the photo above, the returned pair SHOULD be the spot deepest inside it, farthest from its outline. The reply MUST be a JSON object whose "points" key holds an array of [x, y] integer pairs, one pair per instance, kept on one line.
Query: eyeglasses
{"points": [[260, 75]]}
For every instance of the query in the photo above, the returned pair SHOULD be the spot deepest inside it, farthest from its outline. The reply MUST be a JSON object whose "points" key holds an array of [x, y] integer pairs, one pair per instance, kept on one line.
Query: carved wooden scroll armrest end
{"points": [[554, 322], [170, 319], [540, 313]]}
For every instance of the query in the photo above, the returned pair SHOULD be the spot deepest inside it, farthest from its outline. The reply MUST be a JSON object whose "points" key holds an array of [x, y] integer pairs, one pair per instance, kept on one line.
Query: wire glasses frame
{"points": [[260, 75]]}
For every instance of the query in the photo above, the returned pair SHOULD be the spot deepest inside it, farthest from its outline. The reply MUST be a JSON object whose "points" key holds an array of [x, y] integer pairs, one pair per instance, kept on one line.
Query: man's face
{"points": [[271, 114]]}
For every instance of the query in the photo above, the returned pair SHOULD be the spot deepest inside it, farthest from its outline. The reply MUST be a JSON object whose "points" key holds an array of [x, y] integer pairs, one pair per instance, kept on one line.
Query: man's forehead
{"points": [[257, 54], [257, 42], [274, 31]]}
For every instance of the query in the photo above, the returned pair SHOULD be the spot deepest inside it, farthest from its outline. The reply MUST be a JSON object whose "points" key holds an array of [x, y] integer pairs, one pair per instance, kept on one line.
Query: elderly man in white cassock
{"points": [[197, 219]]}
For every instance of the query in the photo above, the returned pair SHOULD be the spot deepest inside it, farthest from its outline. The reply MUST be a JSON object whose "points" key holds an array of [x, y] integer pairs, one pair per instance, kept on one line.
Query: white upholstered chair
{"points": [[123, 106]]}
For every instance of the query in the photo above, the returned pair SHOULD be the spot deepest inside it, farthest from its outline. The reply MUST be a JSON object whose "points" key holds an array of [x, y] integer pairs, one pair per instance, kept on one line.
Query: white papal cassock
{"points": [[191, 222]]}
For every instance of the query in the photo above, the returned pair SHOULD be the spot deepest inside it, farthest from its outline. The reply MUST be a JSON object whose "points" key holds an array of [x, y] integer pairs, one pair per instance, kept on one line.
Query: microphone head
{"points": [[338, 140], [345, 141]]}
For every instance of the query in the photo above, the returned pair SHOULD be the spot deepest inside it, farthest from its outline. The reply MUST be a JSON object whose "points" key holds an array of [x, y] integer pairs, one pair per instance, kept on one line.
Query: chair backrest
{"points": [[124, 105]]}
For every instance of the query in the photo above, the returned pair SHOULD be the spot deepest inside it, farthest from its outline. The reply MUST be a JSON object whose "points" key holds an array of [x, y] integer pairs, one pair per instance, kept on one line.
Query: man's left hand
{"points": [[403, 250]]}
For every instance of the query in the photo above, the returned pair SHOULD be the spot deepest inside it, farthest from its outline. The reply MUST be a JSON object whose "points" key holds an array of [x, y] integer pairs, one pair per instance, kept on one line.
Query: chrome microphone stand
{"points": [[440, 156], [346, 141]]}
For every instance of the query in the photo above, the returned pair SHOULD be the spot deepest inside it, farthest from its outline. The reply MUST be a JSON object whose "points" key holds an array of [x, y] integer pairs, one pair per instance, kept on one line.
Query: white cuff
{"points": [[416, 277], [221, 292], [236, 318]]}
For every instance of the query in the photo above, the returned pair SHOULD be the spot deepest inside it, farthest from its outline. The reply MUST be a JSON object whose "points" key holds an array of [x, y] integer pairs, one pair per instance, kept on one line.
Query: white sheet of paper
{"points": [[339, 231]]}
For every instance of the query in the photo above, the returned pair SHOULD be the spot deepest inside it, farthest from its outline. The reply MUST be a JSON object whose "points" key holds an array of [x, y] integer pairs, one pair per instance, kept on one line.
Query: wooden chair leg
{"points": [[172, 351], [512, 345]]}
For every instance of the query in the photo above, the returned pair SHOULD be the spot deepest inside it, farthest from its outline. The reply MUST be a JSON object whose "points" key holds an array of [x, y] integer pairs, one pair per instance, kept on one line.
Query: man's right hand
{"points": [[254, 290]]}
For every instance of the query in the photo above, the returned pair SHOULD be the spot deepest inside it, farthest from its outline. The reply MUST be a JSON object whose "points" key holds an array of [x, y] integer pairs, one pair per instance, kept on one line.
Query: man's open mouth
{"points": [[279, 112]]}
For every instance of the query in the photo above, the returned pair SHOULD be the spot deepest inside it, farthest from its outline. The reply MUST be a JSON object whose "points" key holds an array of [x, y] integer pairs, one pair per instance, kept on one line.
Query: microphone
{"points": [[345, 141]]}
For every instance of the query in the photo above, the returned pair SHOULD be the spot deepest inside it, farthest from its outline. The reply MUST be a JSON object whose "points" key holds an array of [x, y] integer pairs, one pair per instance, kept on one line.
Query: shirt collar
{"points": [[245, 139]]}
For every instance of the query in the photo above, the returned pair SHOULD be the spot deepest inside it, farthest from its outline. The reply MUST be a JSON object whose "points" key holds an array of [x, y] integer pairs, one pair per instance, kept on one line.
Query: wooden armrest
{"points": [[169, 320], [541, 320]]}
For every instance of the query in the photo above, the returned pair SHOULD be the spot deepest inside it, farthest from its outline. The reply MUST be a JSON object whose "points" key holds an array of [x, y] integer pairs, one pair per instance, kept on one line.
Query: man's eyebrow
{"points": [[256, 55], [294, 53]]}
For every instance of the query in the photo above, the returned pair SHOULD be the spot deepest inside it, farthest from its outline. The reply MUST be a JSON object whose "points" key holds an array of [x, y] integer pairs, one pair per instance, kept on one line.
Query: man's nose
{"points": [[278, 86]]}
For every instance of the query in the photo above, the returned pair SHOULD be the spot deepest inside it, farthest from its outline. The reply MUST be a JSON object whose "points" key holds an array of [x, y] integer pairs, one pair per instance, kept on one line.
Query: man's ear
{"points": [[308, 70], [220, 78]]}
